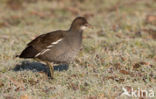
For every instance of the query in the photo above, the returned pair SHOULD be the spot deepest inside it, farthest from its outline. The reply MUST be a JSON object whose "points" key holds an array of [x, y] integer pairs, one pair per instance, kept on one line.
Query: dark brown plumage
{"points": [[58, 46]]}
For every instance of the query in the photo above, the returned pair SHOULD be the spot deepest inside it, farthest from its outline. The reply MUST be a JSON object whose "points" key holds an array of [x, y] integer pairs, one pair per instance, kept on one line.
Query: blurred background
{"points": [[101, 12], [119, 51]]}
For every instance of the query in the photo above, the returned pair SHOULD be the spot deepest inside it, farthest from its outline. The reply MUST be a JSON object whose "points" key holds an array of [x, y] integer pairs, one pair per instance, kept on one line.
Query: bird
{"points": [[60, 46]]}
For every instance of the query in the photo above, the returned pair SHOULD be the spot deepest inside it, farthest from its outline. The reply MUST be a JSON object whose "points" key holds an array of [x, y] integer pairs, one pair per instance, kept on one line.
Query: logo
{"points": [[138, 93]]}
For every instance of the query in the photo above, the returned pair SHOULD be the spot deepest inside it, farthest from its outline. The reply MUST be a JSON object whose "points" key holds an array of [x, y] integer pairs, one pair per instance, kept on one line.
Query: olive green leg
{"points": [[51, 68], [50, 65], [38, 60]]}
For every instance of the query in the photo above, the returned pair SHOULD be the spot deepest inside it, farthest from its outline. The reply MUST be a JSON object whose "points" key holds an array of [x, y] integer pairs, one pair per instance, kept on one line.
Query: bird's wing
{"points": [[41, 44]]}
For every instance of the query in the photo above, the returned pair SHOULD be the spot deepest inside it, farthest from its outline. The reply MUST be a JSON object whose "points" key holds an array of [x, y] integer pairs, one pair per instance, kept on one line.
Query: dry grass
{"points": [[120, 51]]}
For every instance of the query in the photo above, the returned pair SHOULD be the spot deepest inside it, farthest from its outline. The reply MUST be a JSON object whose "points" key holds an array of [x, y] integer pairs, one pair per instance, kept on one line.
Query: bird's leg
{"points": [[38, 60], [51, 68], [50, 65]]}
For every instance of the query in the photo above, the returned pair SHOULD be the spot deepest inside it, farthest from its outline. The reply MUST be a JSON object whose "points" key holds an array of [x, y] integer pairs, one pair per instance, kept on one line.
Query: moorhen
{"points": [[57, 46]]}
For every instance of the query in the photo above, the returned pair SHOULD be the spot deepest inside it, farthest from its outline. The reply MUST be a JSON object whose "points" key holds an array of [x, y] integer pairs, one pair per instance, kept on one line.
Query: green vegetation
{"points": [[119, 52]]}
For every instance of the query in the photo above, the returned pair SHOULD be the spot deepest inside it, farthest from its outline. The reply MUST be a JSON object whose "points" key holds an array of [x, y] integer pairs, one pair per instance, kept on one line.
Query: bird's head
{"points": [[80, 23]]}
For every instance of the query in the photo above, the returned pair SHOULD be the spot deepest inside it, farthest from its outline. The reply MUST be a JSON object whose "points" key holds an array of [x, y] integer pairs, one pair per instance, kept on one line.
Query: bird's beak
{"points": [[89, 26]]}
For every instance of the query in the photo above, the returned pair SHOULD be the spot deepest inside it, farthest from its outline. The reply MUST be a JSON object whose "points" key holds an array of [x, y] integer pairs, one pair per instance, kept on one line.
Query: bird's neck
{"points": [[75, 37], [75, 27], [75, 30], [76, 33]]}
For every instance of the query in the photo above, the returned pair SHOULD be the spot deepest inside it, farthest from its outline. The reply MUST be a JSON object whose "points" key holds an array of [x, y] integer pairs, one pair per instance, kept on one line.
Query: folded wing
{"points": [[41, 44]]}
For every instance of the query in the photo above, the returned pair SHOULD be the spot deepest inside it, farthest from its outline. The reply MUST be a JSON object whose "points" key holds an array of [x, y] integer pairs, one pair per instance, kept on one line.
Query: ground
{"points": [[120, 52]]}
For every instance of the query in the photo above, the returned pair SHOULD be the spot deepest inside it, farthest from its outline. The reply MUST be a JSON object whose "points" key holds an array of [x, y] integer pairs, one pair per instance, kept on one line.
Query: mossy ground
{"points": [[119, 52]]}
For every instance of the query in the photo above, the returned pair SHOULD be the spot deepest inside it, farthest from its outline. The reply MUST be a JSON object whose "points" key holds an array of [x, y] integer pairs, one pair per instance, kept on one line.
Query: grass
{"points": [[119, 52]]}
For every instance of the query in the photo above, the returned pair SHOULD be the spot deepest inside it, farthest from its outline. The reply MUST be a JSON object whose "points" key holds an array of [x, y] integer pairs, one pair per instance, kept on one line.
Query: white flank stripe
{"points": [[37, 54], [42, 52], [50, 46], [45, 50], [57, 41]]}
